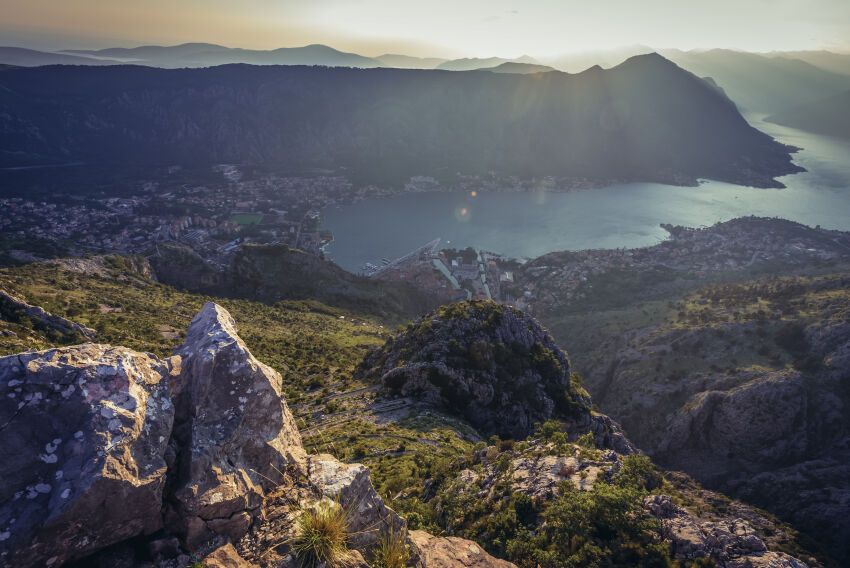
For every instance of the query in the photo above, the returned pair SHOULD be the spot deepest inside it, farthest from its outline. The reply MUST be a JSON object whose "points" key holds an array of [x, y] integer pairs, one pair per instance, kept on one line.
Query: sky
{"points": [[441, 28]]}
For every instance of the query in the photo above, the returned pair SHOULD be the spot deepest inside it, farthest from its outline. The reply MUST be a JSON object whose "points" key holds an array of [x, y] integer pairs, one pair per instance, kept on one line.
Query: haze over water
{"points": [[628, 215]]}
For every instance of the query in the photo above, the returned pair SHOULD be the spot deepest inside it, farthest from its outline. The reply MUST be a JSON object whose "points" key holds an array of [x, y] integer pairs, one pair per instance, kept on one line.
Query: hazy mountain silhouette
{"points": [[408, 61], [208, 55], [830, 116], [521, 68], [760, 83], [576, 62], [33, 58], [826, 60], [646, 119], [472, 63]]}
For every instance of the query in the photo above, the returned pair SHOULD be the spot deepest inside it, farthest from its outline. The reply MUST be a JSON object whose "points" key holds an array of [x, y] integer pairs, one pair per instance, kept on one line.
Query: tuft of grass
{"points": [[322, 535], [391, 551]]}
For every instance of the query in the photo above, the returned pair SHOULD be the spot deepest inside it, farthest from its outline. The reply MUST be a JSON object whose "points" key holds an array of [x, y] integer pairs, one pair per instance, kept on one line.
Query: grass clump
{"points": [[391, 551], [322, 535]]}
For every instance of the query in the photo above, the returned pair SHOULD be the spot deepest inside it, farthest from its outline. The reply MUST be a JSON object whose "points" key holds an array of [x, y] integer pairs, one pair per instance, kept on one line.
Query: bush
{"points": [[321, 534]]}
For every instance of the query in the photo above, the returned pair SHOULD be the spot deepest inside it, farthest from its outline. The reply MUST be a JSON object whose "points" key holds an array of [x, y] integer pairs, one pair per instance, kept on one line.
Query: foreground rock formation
{"points": [[196, 453]]}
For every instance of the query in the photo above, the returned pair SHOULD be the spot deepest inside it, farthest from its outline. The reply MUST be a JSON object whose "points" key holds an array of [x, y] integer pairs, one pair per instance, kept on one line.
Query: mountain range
{"points": [[760, 83], [646, 119]]}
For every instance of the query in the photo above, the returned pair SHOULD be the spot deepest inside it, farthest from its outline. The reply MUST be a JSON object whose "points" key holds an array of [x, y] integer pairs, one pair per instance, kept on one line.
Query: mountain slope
{"points": [[829, 116], [646, 119]]}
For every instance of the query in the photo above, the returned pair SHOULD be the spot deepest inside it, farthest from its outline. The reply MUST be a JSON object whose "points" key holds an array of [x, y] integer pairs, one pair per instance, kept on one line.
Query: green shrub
{"points": [[322, 535]]}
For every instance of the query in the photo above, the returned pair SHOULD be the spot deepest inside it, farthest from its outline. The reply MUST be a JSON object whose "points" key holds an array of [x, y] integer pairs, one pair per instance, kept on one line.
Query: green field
{"points": [[247, 218]]}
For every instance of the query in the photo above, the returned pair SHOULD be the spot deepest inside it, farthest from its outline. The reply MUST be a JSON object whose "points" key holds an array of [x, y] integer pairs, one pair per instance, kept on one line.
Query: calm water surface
{"points": [[531, 224]]}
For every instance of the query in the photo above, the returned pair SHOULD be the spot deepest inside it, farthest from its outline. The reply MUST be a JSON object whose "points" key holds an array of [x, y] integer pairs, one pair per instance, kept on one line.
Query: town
{"points": [[560, 278]]}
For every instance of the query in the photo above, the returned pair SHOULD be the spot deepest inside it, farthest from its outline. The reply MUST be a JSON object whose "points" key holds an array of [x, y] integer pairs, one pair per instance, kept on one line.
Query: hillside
{"points": [[738, 383], [829, 116], [561, 495], [273, 273], [646, 119]]}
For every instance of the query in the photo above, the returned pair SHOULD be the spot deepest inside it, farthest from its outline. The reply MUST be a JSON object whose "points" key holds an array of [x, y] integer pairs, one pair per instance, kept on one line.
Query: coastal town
{"points": [[559, 278]]}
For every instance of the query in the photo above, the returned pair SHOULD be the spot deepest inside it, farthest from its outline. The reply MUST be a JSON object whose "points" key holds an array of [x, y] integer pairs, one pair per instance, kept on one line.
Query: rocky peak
{"points": [[491, 363], [233, 430]]}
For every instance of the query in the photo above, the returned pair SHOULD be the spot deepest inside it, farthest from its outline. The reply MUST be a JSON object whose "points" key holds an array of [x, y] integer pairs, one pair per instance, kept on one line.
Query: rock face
{"points": [[14, 303], [84, 432], [497, 367], [233, 431]]}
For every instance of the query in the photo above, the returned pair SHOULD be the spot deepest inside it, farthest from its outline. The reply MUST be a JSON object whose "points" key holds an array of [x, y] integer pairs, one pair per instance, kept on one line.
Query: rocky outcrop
{"points": [[84, 432], [352, 486], [104, 444], [489, 362], [730, 542], [233, 431], [11, 303]]}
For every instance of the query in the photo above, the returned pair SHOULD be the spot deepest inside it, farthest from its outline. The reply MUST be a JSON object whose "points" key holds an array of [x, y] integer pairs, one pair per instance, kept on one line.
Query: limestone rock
{"points": [[451, 552], [84, 432], [352, 486], [233, 431]]}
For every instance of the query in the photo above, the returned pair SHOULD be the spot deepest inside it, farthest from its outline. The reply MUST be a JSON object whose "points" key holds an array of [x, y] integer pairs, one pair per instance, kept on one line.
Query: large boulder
{"points": [[451, 552], [488, 362], [233, 432], [84, 432]]}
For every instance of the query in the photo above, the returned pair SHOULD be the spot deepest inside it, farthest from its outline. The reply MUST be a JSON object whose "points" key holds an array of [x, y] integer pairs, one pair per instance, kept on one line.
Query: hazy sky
{"points": [[433, 27]]}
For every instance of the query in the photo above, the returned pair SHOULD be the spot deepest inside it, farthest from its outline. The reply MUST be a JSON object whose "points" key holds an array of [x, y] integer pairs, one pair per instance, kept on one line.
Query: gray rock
{"points": [[84, 431]]}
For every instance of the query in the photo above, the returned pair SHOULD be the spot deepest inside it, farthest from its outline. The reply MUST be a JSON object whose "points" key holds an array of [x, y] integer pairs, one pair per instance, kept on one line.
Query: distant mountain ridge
{"points": [[646, 119], [829, 116]]}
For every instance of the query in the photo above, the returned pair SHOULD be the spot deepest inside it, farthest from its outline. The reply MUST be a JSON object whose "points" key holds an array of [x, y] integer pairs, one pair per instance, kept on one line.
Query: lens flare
{"points": [[462, 213]]}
